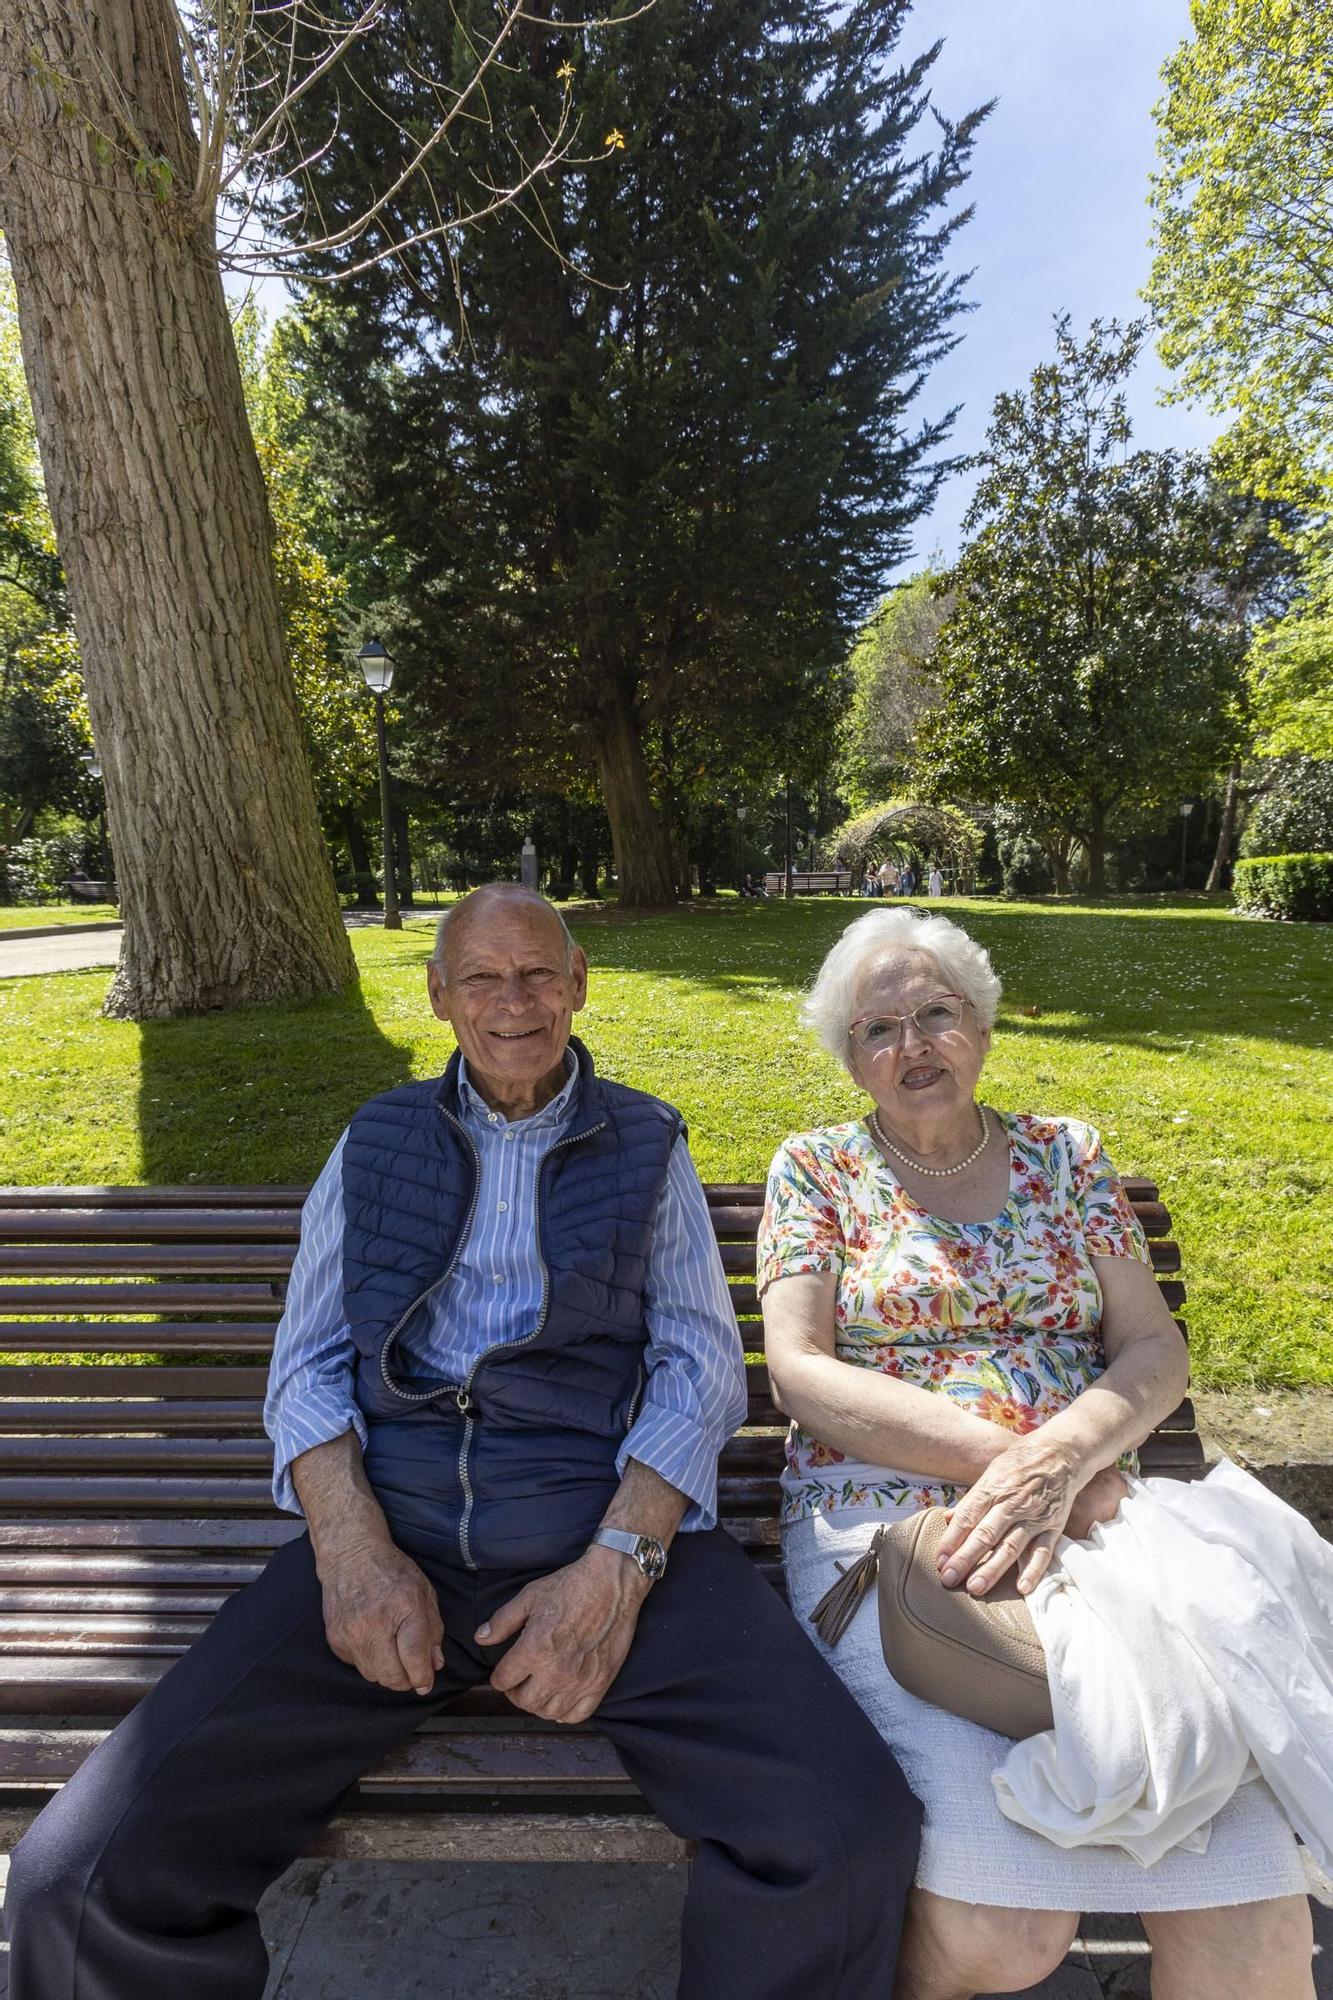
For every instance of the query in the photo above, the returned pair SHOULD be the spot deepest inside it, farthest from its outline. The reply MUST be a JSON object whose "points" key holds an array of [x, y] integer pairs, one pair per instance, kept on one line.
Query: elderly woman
{"points": [[958, 1302]]}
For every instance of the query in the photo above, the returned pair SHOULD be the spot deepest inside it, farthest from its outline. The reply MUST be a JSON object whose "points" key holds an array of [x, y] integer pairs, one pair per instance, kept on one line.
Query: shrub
{"points": [[1287, 885], [1295, 814]]}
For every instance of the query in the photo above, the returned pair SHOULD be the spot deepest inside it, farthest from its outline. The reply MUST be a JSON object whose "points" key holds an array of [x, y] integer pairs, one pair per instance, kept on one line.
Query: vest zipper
{"points": [[430, 1395], [508, 1346]]}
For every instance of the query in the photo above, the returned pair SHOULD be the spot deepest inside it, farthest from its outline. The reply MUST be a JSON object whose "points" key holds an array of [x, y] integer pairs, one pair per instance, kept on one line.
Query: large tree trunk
{"points": [[640, 843], [1226, 831], [163, 527], [1096, 844]]}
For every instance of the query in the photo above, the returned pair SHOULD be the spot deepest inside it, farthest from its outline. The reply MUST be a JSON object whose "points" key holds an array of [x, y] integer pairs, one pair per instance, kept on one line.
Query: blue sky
{"points": [[1059, 182]]}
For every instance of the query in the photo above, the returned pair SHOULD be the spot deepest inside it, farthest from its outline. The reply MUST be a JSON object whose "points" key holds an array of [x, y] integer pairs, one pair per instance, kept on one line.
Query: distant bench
{"points": [[811, 881], [135, 1498], [82, 889]]}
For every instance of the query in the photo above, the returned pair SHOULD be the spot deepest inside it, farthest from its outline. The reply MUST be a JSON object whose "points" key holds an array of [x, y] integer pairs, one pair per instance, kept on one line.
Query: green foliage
{"points": [[335, 708], [892, 687], [1298, 886], [1294, 815], [1089, 669], [1291, 662], [644, 445], [1243, 205], [901, 828]]}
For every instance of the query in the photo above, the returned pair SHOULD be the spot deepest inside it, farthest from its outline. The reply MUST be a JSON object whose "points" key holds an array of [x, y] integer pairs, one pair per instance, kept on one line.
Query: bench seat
{"points": [[134, 1498]]}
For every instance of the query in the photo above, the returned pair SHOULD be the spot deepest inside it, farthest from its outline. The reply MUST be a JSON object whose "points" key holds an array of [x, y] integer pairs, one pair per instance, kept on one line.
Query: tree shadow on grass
{"points": [[259, 1095], [1141, 976]]}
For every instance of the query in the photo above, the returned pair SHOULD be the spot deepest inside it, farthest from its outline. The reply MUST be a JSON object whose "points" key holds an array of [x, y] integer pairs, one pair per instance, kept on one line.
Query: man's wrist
{"points": [[644, 1553]]}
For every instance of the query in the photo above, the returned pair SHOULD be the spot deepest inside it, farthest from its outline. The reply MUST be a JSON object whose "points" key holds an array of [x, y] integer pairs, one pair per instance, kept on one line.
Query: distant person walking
{"points": [[907, 880], [888, 879], [935, 886]]}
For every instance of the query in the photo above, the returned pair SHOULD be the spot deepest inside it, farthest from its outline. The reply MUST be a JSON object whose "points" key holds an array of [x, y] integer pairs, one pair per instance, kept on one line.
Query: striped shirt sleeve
{"points": [[310, 1398], [695, 1394]]}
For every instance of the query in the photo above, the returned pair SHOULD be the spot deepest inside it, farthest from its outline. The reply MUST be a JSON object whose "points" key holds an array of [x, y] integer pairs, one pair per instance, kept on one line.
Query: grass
{"points": [[1195, 1040], [36, 916]]}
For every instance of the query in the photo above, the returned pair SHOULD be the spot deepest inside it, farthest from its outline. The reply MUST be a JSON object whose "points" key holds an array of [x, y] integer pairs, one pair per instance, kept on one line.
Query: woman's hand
{"points": [[1099, 1500], [1013, 1515]]}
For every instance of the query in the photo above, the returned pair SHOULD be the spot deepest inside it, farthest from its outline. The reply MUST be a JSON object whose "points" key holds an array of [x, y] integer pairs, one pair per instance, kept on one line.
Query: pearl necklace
{"points": [[936, 1173]]}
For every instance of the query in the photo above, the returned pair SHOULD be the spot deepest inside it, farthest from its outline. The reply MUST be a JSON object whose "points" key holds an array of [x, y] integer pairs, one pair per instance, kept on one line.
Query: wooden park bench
{"points": [[134, 1498], [811, 881]]}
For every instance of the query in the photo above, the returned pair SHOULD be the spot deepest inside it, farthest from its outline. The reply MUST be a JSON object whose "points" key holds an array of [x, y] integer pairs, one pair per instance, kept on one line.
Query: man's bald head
{"points": [[492, 899]]}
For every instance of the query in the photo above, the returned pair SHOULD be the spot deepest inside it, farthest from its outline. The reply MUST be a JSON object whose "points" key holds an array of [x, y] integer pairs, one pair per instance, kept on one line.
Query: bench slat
{"points": [[152, 1197], [116, 1260], [148, 1225], [151, 1298]]}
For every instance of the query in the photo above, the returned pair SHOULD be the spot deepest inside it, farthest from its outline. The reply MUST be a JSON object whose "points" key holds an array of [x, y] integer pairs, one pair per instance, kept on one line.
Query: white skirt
{"points": [[969, 1850]]}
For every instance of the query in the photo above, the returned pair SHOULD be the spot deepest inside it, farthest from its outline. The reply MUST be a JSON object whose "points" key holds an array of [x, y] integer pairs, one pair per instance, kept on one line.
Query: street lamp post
{"points": [[93, 765], [741, 811], [377, 667], [786, 864], [1186, 808]]}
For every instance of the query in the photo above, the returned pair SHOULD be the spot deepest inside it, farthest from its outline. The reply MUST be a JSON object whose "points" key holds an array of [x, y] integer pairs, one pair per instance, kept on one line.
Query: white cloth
{"points": [[1189, 1645], [969, 1850]]}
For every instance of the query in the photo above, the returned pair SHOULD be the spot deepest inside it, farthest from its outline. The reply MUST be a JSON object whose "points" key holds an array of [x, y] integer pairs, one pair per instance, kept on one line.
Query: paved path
{"points": [[365, 1930], [23, 958]]}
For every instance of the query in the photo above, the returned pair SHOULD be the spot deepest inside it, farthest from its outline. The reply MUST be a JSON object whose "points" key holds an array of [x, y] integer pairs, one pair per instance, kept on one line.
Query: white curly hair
{"points": [[884, 933]]}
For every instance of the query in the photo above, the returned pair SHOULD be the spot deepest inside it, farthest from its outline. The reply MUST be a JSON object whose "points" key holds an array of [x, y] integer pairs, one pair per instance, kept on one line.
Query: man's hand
{"points": [[1099, 1500], [382, 1617], [574, 1629]]}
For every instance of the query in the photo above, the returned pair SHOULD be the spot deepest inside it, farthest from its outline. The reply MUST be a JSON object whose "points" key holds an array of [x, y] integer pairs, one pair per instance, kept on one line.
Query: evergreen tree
{"points": [[645, 445]]}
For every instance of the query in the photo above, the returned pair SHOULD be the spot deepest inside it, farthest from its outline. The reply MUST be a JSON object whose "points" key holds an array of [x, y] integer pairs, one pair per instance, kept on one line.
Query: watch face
{"points": [[651, 1557]]}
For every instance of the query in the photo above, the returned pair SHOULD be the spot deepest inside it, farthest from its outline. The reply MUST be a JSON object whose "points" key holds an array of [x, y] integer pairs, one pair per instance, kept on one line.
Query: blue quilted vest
{"points": [[568, 1389]]}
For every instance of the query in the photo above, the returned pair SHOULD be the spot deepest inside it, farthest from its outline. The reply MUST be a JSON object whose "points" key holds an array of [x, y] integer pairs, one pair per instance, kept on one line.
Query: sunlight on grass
{"points": [[1196, 1041]]}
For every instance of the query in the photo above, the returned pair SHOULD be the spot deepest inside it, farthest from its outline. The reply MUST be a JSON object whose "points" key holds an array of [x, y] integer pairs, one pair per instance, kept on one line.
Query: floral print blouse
{"points": [[1000, 1316]]}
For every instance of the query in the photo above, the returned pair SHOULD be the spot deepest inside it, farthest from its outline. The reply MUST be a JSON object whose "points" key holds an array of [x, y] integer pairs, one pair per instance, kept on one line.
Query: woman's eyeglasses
{"points": [[940, 1016]]}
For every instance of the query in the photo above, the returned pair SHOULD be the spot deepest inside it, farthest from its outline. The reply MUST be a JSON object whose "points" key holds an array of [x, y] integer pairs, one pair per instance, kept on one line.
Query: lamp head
{"points": [[377, 667]]}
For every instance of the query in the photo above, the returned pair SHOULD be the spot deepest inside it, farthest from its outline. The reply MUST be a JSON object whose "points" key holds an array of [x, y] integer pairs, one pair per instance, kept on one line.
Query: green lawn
{"points": [[1197, 1042], [35, 916]]}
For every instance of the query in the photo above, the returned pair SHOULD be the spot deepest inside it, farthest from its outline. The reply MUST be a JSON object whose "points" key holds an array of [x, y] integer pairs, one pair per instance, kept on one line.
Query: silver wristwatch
{"points": [[645, 1550]]}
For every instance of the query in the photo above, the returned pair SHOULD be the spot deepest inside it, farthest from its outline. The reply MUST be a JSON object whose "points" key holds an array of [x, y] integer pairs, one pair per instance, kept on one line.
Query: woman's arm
{"points": [[871, 1417], [1018, 1508]]}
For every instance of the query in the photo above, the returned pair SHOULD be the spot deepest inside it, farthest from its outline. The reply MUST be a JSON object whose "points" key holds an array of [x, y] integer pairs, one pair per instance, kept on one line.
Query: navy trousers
{"points": [[140, 1880]]}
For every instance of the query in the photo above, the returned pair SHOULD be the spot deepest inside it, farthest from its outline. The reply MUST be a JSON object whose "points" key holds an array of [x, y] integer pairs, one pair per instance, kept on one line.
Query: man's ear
{"points": [[435, 986], [579, 969]]}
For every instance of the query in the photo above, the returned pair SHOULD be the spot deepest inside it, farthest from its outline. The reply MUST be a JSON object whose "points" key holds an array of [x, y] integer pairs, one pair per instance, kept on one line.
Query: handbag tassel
{"points": [[840, 1604]]}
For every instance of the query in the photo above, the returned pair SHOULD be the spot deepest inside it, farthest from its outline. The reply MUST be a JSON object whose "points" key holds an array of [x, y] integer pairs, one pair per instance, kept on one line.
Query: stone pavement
{"points": [[367, 1930], [22, 957]]}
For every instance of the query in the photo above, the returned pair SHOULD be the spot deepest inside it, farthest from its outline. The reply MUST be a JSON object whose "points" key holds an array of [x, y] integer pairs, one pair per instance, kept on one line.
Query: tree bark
{"points": [[1096, 844], [163, 527], [590, 870], [1226, 831], [640, 844]]}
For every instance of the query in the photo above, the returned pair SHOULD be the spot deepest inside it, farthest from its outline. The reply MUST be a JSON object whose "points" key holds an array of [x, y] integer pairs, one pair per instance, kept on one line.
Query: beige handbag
{"points": [[978, 1657]]}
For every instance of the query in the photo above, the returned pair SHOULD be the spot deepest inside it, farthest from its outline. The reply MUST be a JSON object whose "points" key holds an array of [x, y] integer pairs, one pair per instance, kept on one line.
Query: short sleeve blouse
{"points": [[1003, 1316]]}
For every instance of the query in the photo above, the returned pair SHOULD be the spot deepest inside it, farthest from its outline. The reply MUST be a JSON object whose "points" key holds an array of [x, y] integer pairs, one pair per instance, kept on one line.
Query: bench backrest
{"points": [[137, 1325]]}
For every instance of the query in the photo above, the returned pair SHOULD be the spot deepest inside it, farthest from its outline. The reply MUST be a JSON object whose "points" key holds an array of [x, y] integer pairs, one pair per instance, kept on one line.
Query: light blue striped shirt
{"points": [[694, 1396]]}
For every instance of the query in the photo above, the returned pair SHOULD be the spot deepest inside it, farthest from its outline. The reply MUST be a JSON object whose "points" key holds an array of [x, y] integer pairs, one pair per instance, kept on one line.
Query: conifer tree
{"points": [[646, 443]]}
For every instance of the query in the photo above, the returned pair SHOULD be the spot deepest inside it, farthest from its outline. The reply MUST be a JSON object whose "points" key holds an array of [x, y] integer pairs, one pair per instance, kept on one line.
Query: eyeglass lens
{"points": [[933, 1017]]}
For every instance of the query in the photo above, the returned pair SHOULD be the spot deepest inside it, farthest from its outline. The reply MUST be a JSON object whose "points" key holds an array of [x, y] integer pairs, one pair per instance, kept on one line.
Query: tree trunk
{"points": [[640, 844], [163, 527], [590, 871], [1226, 831], [367, 889]]}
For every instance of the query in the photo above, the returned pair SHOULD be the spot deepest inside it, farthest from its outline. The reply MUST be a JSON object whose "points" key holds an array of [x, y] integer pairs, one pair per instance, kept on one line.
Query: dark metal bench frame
{"points": [[134, 1497]]}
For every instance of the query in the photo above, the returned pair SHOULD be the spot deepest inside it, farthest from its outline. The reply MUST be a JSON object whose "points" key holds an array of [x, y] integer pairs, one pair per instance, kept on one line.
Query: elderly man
{"points": [[506, 1369]]}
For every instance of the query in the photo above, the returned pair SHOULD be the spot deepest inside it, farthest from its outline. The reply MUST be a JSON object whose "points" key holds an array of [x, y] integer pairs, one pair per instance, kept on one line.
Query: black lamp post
{"points": [[1186, 808], [377, 667], [92, 763], [741, 811]]}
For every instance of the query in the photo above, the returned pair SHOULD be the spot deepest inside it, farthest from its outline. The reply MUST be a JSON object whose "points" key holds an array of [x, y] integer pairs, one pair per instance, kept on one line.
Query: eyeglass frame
{"points": [[897, 1042]]}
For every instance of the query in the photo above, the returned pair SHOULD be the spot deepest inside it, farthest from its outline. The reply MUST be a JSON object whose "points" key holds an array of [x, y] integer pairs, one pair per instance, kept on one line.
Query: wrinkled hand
{"points": [[1099, 1500], [574, 1629], [1013, 1515], [382, 1617]]}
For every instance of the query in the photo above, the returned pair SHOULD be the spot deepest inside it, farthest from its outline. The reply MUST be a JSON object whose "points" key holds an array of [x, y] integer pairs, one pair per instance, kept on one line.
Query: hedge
{"points": [[1287, 885]]}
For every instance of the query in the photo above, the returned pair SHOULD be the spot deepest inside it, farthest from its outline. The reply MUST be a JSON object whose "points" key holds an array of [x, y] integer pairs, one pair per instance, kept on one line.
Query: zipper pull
{"points": [[462, 1401]]}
